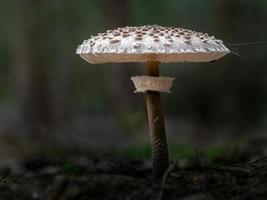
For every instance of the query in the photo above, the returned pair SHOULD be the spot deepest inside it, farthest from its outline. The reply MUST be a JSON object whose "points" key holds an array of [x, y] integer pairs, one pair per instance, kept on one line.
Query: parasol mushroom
{"points": [[153, 44]]}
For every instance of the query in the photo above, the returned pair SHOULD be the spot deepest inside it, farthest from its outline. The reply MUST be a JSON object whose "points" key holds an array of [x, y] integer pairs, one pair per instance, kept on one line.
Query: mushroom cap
{"points": [[151, 43]]}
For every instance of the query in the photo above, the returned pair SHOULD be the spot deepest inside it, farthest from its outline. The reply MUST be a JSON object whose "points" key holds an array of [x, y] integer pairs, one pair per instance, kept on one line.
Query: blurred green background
{"points": [[53, 101]]}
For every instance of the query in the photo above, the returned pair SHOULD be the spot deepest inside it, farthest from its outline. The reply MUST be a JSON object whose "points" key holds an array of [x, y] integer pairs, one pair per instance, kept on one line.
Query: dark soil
{"points": [[81, 177]]}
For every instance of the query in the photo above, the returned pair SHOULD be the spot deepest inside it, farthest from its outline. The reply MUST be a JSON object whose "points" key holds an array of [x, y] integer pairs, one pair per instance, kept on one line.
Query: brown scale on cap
{"points": [[144, 33], [97, 37], [92, 44], [155, 31], [191, 32], [145, 29], [125, 35], [187, 41], [114, 41], [204, 38], [138, 38], [156, 40], [185, 32], [187, 37], [117, 34], [167, 45]]}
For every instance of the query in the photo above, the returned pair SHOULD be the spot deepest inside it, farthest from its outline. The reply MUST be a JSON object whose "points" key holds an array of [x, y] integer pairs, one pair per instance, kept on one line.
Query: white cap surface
{"points": [[152, 43]]}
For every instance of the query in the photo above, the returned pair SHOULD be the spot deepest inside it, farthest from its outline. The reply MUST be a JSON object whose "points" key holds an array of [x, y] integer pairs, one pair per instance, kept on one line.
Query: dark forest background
{"points": [[53, 101]]}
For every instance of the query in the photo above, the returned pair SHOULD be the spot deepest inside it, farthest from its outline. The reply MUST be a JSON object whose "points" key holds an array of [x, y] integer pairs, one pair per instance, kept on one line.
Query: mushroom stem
{"points": [[160, 157]]}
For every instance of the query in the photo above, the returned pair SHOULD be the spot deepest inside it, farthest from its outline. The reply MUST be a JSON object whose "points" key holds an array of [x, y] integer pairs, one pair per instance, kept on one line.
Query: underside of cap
{"points": [[164, 58], [152, 43]]}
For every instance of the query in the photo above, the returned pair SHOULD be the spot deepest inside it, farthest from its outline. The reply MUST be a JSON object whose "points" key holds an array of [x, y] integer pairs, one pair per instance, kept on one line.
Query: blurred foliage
{"points": [[139, 151], [179, 152]]}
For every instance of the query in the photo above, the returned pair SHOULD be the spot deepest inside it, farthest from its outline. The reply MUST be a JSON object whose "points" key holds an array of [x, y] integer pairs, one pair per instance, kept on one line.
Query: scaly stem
{"points": [[160, 157]]}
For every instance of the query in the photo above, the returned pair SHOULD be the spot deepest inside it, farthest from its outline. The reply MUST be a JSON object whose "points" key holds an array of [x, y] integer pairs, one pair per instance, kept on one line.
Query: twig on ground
{"points": [[258, 160], [19, 176], [164, 180], [232, 169]]}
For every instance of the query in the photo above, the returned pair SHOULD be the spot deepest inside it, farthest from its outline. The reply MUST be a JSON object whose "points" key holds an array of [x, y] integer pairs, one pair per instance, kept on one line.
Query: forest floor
{"points": [[82, 177]]}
